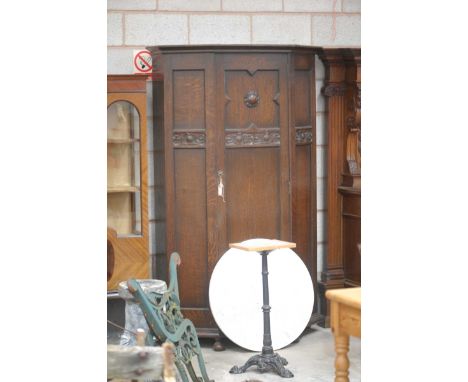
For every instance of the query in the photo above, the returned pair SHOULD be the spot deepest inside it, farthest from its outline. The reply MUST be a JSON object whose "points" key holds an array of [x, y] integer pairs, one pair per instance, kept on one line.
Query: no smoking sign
{"points": [[142, 62]]}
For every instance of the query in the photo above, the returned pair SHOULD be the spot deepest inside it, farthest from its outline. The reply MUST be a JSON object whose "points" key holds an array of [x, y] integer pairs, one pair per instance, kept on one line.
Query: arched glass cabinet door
{"points": [[123, 169]]}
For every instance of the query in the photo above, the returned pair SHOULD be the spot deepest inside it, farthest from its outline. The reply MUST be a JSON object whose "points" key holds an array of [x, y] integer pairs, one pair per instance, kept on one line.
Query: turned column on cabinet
{"points": [[342, 266]]}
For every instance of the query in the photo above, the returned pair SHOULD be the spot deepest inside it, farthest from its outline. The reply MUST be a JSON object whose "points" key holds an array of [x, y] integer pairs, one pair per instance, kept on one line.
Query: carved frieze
{"points": [[353, 123], [353, 114], [189, 139], [353, 167], [350, 122], [333, 89], [258, 137]]}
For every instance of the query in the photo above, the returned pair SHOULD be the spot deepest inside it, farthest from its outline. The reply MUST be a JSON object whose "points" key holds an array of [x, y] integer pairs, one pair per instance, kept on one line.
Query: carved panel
{"points": [[304, 136], [251, 98], [188, 139]]}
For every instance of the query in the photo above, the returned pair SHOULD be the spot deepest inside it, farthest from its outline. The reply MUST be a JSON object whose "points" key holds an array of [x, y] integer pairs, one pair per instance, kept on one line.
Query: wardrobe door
{"points": [[252, 147], [189, 167]]}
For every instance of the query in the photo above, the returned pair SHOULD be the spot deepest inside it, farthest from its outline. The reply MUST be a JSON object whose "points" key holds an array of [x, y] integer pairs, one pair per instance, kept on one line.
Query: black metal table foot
{"points": [[265, 363]]}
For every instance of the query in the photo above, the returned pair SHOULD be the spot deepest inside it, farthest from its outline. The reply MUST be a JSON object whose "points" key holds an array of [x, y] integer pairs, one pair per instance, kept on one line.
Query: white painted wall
{"points": [[134, 24]]}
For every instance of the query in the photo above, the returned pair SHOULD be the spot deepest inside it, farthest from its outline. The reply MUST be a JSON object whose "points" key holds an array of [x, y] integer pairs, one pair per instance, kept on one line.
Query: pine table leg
{"points": [[341, 361]]}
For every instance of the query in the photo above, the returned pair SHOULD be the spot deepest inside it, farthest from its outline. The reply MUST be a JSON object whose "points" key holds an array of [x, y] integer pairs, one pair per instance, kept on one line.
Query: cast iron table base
{"points": [[265, 363], [267, 360]]}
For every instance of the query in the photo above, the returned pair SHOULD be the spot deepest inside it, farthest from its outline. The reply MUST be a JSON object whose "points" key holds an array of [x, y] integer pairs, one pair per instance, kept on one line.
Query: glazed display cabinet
{"points": [[127, 220]]}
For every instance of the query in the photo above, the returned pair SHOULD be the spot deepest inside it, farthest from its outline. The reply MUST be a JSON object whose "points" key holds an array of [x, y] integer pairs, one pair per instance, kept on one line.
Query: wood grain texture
{"points": [[285, 150], [134, 362], [334, 171], [303, 206], [190, 225], [201, 317], [349, 296], [126, 83], [253, 193], [188, 100], [159, 270], [267, 246], [303, 160], [302, 102], [341, 360], [351, 218], [170, 374], [131, 253], [130, 259]]}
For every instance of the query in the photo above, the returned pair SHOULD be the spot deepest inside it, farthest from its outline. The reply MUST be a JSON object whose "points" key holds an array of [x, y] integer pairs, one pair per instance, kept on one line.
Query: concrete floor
{"points": [[311, 359]]}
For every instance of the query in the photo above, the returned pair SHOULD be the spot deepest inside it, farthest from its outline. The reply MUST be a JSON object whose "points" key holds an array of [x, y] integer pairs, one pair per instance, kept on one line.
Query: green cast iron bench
{"points": [[166, 322]]}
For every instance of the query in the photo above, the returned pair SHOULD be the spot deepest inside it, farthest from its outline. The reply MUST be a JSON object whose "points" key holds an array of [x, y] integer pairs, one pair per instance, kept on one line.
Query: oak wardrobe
{"points": [[234, 158]]}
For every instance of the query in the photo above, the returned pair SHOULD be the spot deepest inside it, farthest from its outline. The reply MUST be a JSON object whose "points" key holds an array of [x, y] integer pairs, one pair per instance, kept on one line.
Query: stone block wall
{"points": [[134, 24]]}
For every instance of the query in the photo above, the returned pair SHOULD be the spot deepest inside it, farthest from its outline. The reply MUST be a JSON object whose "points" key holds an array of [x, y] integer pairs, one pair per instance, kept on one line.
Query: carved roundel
{"points": [[251, 99]]}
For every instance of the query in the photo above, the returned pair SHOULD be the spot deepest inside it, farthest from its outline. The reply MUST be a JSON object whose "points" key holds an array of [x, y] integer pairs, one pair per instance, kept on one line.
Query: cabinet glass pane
{"points": [[123, 121], [123, 168]]}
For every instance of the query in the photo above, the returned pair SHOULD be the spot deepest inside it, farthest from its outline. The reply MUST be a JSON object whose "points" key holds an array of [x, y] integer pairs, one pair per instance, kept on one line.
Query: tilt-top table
{"points": [[268, 359]]}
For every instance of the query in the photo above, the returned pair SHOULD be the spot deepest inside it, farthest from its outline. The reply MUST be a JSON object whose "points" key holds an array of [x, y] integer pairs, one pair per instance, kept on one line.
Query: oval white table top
{"points": [[236, 296]]}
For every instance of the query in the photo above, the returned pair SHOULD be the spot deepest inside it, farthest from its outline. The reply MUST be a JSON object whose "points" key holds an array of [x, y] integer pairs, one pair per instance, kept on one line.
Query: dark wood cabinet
{"points": [[234, 158], [342, 266]]}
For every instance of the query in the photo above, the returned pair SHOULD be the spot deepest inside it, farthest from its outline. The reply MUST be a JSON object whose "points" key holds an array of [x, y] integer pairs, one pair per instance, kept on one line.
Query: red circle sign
{"points": [[142, 61]]}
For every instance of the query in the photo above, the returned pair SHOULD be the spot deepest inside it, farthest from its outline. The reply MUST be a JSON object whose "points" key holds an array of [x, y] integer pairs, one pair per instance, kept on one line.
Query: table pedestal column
{"points": [[267, 360]]}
